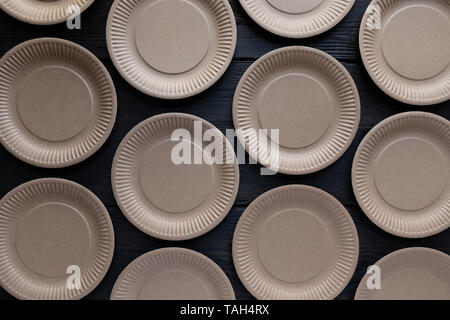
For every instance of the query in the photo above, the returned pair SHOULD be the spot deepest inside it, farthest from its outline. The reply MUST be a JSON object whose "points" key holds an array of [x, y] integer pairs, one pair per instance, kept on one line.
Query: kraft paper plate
{"points": [[295, 18], [409, 274], [44, 12], [401, 174], [57, 102], [295, 243], [309, 97], [405, 46], [53, 233], [172, 274], [171, 49], [169, 198]]}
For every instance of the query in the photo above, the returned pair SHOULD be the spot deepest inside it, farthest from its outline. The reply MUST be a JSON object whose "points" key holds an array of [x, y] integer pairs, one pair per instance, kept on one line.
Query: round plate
{"points": [[172, 274], [297, 19], [406, 49], [171, 49], [401, 174], [57, 103], [53, 231], [306, 94], [295, 242], [43, 12], [168, 198], [410, 274]]}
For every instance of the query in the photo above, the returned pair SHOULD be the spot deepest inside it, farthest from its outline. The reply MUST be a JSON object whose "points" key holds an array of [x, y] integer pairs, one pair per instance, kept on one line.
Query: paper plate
{"points": [[43, 12], [295, 243], [405, 46], [172, 274], [171, 49], [53, 233], [409, 274], [401, 174], [169, 197], [309, 97], [297, 19], [57, 103]]}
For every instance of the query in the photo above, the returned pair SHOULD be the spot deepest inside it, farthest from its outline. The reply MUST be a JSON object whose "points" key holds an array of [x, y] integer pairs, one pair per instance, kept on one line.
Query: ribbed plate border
{"points": [[57, 155], [382, 215], [301, 26], [139, 214], [42, 13], [348, 110], [418, 94], [408, 256], [330, 284], [136, 273], [20, 284], [170, 88]]}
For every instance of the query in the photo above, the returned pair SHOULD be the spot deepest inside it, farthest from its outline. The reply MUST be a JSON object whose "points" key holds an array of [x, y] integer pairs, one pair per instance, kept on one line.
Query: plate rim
{"points": [[39, 20], [284, 188], [398, 97], [394, 254], [290, 35], [122, 144], [376, 128], [108, 221], [165, 250], [171, 96], [108, 80], [346, 74]]}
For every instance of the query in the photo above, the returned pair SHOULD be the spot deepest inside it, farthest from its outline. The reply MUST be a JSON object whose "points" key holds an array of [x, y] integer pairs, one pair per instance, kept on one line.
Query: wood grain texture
{"points": [[215, 106]]}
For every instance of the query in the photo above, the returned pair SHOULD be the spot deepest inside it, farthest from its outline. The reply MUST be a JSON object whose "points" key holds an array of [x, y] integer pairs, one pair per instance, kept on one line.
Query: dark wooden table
{"points": [[215, 106]]}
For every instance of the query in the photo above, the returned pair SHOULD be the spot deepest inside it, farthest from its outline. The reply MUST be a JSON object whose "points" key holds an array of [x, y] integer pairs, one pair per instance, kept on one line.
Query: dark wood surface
{"points": [[215, 105]]}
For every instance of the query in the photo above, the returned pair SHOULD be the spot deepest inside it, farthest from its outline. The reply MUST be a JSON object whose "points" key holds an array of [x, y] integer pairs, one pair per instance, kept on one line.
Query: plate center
{"points": [[294, 246], [299, 106], [295, 6], [416, 42], [172, 187], [173, 36], [411, 174], [54, 103], [412, 284], [174, 285], [52, 237]]}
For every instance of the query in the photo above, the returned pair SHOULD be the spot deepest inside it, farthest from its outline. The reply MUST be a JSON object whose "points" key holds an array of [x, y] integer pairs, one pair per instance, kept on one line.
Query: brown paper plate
{"points": [[172, 274], [401, 174], [43, 12], [295, 243], [57, 103], [295, 18], [405, 47], [409, 274], [168, 200], [306, 94], [171, 49], [47, 228]]}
